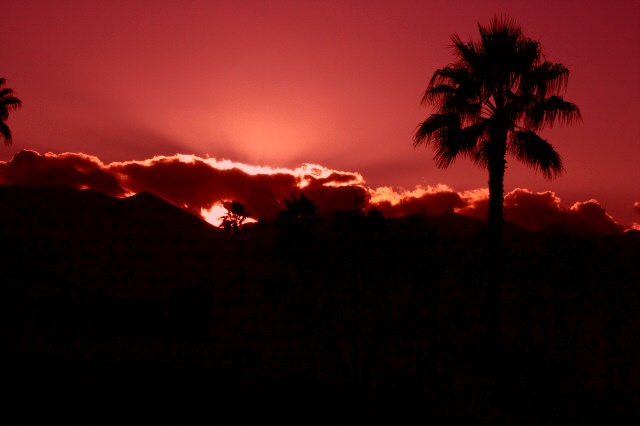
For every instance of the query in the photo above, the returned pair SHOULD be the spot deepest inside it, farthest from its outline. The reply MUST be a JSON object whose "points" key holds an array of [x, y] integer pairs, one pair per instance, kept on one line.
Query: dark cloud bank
{"points": [[198, 184]]}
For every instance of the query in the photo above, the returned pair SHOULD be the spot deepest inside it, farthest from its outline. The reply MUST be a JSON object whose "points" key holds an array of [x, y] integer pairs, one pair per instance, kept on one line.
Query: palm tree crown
{"points": [[499, 86], [299, 208], [8, 102]]}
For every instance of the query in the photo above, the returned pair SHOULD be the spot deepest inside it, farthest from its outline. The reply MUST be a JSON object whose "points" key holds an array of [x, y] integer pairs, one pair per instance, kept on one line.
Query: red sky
{"points": [[283, 83]]}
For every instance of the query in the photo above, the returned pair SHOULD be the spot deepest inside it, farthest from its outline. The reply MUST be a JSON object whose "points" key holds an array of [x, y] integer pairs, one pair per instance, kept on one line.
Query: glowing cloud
{"points": [[530, 210], [203, 185], [78, 170], [199, 185], [432, 199]]}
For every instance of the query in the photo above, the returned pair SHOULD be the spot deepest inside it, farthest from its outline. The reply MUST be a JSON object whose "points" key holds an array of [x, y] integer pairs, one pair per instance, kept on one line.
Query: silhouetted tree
{"points": [[299, 225], [490, 102], [8, 102], [234, 218], [297, 209]]}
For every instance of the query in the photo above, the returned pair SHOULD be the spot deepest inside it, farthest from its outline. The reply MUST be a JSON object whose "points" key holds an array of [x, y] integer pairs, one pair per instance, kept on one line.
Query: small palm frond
{"points": [[448, 138], [6, 133], [456, 143], [430, 129], [12, 103], [8, 102], [481, 155], [529, 148], [467, 53], [477, 131], [501, 41], [452, 89], [543, 80], [434, 94], [551, 78], [467, 107], [452, 74], [545, 113], [6, 92], [528, 54]]}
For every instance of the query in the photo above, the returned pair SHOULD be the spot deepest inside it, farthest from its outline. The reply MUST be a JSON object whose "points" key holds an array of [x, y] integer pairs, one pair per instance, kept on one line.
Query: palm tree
{"points": [[491, 101], [234, 218], [299, 226], [8, 102], [299, 209]]}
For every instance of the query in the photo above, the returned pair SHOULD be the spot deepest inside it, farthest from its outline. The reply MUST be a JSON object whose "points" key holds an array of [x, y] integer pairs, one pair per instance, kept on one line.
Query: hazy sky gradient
{"points": [[281, 83]]}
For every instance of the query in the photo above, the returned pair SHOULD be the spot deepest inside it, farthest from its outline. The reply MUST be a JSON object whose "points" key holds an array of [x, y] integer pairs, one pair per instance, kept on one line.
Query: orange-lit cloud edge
{"points": [[203, 186]]}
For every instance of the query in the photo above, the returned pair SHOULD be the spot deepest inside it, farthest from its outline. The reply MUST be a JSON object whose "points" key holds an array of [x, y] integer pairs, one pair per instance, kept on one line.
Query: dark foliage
{"points": [[234, 218], [379, 317]]}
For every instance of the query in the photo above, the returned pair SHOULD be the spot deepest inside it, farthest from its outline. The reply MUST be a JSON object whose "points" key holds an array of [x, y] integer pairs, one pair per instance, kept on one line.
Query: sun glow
{"points": [[214, 214]]}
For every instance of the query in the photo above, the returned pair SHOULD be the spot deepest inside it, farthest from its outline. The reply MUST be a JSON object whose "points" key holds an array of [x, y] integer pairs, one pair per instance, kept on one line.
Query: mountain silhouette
{"points": [[85, 228]]}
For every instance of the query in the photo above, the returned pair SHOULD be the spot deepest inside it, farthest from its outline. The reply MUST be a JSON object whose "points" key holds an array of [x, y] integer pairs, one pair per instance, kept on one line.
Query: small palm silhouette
{"points": [[301, 208], [234, 218], [8, 102]]}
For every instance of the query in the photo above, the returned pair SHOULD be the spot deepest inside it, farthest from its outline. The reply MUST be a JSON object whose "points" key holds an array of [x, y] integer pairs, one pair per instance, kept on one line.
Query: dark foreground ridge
{"points": [[117, 306]]}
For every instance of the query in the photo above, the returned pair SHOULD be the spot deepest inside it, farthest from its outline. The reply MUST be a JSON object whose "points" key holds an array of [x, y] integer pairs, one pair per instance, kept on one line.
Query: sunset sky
{"points": [[281, 84]]}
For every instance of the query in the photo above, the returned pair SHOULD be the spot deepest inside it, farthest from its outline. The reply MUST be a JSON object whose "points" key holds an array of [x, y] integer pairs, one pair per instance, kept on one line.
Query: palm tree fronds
{"points": [[545, 113], [550, 77], [452, 75], [478, 130], [467, 53], [435, 93], [6, 92], [448, 138], [451, 144], [544, 79], [466, 107], [428, 130], [493, 98], [529, 52], [529, 148], [5, 132], [481, 155], [8, 102]]}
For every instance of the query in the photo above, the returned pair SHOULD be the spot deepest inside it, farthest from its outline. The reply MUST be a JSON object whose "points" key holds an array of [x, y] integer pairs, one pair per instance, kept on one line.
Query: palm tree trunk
{"points": [[495, 275]]}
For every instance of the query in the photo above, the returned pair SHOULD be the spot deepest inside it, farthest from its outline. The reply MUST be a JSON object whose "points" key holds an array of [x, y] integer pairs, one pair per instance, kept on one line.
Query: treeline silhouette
{"points": [[112, 298]]}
